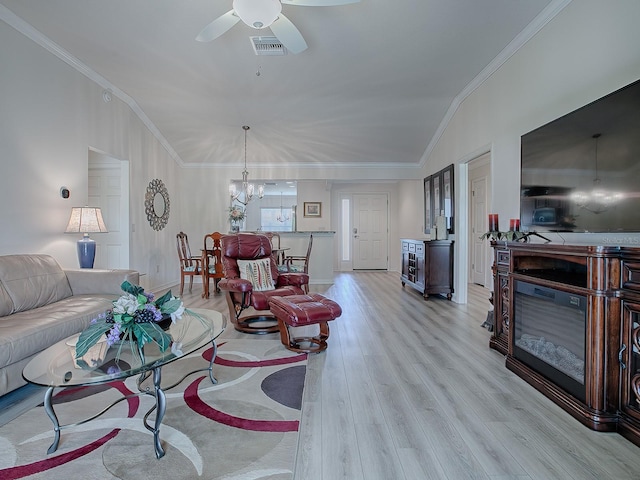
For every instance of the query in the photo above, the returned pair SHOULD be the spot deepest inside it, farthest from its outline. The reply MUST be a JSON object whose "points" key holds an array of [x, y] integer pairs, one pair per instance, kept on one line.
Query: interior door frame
{"points": [[96, 157], [481, 162]]}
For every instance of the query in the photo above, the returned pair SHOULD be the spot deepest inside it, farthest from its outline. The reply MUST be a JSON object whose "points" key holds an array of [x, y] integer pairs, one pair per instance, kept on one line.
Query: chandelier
{"points": [[282, 217], [245, 194], [598, 200]]}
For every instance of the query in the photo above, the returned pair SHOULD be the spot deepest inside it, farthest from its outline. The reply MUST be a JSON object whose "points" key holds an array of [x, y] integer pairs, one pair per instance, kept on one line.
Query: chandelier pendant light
{"points": [[598, 200], [246, 193], [283, 217]]}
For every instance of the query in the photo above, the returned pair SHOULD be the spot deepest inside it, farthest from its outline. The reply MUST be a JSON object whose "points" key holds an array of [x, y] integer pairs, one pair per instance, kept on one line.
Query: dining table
{"points": [[210, 259]]}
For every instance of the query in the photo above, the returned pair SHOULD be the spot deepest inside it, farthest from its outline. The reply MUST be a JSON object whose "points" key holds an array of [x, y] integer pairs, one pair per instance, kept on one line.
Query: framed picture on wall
{"points": [[447, 196], [312, 209], [436, 197], [427, 205], [439, 198]]}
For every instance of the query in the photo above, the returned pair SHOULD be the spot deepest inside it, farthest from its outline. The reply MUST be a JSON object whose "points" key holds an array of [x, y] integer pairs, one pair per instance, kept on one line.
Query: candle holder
{"points": [[512, 236], [493, 222]]}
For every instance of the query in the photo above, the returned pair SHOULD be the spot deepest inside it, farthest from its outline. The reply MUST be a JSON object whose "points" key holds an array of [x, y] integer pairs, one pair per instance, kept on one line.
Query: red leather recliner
{"points": [[241, 294]]}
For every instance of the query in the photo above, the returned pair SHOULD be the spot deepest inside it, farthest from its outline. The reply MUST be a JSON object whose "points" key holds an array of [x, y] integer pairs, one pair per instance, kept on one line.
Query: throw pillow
{"points": [[258, 272]]}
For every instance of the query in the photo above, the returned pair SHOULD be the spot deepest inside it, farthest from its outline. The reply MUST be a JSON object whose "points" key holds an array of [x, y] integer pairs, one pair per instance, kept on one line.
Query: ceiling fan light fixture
{"points": [[257, 13]]}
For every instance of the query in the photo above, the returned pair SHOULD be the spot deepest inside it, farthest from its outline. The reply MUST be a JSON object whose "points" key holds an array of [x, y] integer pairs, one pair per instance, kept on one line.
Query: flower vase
{"points": [[130, 349], [235, 227]]}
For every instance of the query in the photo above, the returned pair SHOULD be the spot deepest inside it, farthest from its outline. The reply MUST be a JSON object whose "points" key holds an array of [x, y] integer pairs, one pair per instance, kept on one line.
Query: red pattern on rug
{"points": [[44, 465], [22, 471], [194, 402]]}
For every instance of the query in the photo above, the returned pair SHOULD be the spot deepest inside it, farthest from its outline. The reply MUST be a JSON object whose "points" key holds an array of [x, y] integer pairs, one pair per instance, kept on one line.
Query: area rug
{"points": [[243, 427]]}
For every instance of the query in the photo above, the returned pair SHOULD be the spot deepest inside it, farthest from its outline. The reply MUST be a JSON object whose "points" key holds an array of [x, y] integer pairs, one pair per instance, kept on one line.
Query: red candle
{"points": [[514, 225], [493, 222]]}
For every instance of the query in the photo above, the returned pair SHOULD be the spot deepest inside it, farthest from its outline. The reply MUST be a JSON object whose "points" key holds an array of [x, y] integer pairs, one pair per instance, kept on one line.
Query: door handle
{"points": [[620, 359]]}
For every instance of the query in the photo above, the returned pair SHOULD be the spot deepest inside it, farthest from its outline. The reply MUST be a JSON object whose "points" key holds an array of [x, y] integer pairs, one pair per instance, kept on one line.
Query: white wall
{"points": [[50, 116], [314, 191], [587, 51]]}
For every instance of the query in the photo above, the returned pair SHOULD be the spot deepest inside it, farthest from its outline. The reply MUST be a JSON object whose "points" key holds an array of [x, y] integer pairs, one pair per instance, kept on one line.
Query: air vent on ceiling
{"points": [[267, 46]]}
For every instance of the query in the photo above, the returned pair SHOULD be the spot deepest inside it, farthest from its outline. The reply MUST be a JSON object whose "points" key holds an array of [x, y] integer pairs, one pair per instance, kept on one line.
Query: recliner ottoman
{"points": [[300, 311]]}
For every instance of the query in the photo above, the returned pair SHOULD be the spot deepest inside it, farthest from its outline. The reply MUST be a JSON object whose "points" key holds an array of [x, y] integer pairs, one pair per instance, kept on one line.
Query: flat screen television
{"points": [[581, 172]]}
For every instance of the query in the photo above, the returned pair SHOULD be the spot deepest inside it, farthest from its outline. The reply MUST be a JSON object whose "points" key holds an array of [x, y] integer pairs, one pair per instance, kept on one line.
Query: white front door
{"points": [[370, 232], [109, 190]]}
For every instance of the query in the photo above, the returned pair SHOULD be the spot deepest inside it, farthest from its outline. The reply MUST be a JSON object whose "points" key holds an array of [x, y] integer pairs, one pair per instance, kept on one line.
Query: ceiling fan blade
{"points": [[219, 26], [288, 34], [318, 3]]}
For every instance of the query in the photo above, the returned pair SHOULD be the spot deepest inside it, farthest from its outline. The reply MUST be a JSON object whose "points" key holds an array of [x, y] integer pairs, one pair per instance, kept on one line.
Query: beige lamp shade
{"points": [[86, 220]]}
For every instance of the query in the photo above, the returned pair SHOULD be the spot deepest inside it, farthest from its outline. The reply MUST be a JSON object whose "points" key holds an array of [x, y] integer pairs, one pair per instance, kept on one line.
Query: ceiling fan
{"points": [[261, 14]]}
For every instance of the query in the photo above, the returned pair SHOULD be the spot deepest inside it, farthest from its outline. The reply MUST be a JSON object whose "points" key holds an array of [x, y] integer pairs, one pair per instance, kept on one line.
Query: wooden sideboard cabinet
{"points": [[427, 266]]}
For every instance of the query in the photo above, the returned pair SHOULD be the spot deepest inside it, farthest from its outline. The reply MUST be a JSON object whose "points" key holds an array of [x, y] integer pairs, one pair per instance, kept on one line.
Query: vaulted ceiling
{"points": [[373, 87]]}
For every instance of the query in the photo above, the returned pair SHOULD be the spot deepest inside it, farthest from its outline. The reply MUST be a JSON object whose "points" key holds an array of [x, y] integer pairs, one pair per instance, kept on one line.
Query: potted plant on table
{"points": [[236, 216], [136, 318]]}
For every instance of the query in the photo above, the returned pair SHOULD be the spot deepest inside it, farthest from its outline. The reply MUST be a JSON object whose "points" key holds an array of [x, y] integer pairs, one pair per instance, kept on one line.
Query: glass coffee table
{"points": [[56, 367]]}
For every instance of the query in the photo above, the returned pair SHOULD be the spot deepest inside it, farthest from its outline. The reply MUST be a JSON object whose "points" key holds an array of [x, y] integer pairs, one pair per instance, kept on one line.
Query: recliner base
{"points": [[246, 324]]}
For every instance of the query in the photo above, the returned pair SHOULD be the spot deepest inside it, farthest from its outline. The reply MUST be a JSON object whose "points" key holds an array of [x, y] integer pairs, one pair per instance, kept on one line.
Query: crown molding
{"points": [[323, 166], [537, 24]]}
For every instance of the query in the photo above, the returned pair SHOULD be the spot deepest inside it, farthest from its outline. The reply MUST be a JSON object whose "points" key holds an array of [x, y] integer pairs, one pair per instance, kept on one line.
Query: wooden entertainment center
{"points": [[602, 286]]}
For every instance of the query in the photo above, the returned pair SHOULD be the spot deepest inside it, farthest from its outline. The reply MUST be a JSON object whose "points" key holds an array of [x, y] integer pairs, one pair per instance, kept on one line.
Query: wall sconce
{"points": [[86, 220]]}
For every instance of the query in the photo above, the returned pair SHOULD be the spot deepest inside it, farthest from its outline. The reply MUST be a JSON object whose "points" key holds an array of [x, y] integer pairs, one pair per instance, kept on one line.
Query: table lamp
{"points": [[86, 220]]}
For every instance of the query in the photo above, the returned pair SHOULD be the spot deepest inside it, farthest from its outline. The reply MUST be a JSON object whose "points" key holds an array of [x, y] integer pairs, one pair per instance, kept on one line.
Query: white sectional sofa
{"points": [[41, 304]]}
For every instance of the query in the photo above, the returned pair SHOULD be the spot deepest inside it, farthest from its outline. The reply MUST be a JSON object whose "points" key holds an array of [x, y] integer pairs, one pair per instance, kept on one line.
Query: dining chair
{"points": [[190, 266], [212, 262], [274, 238], [278, 256], [299, 263]]}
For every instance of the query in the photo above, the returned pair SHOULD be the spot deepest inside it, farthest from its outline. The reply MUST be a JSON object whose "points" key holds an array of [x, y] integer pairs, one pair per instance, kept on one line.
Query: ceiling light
{"points": [[245, 195], [283, 217], [257, 13]]}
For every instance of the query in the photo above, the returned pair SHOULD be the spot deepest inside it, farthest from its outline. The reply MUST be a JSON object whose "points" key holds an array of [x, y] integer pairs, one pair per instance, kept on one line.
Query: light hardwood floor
{"points": [[409, 389]]}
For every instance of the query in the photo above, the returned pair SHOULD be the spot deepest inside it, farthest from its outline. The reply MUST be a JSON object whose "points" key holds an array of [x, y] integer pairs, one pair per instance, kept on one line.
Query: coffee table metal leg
{"points": [[48, 407], [213, 357], [160, 407]]}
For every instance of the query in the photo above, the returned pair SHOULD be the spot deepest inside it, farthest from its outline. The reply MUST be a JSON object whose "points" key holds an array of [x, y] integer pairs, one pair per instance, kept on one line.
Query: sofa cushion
{"points": [[25, 333], [33, 281], [6, 304]]}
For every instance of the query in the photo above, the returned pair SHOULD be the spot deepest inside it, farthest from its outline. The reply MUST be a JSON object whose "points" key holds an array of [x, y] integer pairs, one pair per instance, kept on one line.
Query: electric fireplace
{"points": [[549, 334]]}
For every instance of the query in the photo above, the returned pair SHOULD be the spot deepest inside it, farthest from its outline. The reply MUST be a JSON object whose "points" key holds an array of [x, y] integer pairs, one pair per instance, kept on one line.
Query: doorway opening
{"points": [[108, 180], [479, 188]]}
